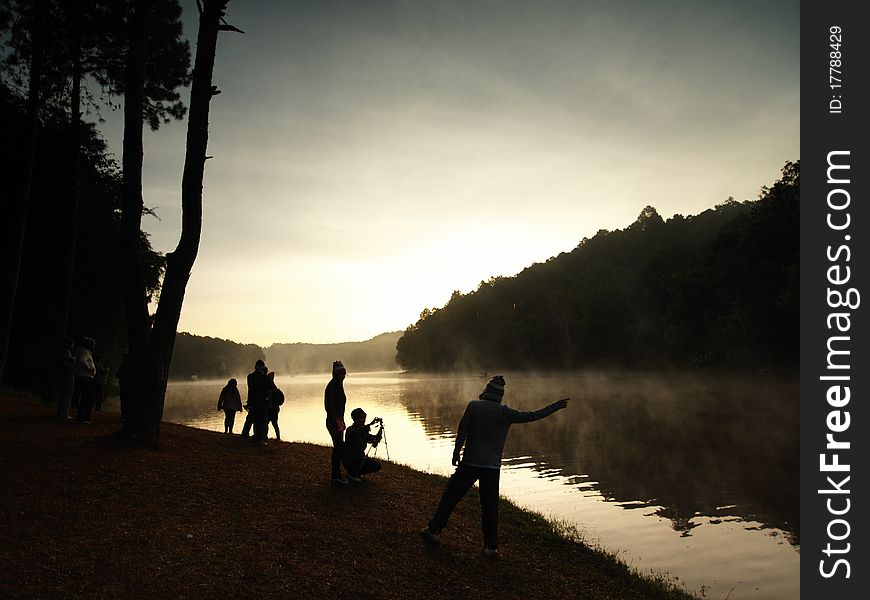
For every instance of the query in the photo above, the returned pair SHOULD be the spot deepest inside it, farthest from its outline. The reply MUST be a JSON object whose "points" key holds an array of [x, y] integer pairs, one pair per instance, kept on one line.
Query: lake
{"points": [[692, 474]]}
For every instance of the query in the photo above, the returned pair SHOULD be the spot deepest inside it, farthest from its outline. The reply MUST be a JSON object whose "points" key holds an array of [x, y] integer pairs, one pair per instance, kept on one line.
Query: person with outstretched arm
{"points": [[482, 431]]}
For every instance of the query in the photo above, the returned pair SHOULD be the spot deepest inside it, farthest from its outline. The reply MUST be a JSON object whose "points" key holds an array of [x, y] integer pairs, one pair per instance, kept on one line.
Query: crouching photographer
{"points": [[356, 438]]}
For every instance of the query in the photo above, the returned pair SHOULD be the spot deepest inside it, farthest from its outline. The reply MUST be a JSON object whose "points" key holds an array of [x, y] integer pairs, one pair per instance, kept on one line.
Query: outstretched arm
{"points": [[519, 416]]}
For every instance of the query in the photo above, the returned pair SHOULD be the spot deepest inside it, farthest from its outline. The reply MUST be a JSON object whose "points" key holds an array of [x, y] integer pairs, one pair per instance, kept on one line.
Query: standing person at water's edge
{"points": [[334, 400], [276, 399], [258, 402], [230, 401], [482, 430]]}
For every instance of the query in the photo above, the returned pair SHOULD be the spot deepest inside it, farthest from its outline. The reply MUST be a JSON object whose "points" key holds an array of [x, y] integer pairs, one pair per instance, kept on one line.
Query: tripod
{"points": [[383, 439]]}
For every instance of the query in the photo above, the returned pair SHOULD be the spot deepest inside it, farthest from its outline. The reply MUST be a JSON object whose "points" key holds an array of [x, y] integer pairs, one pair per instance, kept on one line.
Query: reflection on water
{"points": [[693, 474]]}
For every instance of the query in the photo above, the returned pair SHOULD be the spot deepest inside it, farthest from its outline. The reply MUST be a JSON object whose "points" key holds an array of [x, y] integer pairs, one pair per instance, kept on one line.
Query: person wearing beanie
{"points": [[482, 431], [334, 400]]}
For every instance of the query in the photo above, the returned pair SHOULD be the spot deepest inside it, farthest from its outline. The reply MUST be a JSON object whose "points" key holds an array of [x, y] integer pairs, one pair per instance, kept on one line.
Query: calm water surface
{"points": [[695, 475]]}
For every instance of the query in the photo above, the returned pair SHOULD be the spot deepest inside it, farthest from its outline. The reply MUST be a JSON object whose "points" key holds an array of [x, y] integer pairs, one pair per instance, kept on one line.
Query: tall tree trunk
{"points": [[161, 341], [12, 245], [132, 204], [57, 323]]}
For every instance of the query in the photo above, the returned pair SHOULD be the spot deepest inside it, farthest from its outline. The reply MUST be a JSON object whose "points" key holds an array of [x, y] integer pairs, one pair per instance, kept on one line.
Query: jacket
{"points": [[85, 363], [484, 428], [356, 438], [230, 398], [334, 399]]}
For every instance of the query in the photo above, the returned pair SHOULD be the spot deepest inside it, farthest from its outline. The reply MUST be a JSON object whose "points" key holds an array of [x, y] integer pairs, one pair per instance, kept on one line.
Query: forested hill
{"points": [[715, 289], [376, 354], [210, 358]]}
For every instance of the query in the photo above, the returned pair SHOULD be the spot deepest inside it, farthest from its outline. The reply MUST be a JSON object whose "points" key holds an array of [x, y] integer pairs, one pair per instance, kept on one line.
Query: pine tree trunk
{"points": [[136, 308], [56, 324], [15, 213], [161, 341]]}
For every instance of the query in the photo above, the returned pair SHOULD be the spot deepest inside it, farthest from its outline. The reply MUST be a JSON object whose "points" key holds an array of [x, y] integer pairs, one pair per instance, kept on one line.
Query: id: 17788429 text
{"points": [[835, 70]]}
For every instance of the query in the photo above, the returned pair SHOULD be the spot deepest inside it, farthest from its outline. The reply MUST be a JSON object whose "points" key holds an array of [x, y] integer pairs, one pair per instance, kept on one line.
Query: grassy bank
{"points": [[205, 514]]}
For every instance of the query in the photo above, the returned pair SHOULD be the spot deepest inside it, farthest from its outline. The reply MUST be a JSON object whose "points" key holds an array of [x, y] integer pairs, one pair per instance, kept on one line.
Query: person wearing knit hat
{"points": [[334, 401], [494, 389], [482, 431]]}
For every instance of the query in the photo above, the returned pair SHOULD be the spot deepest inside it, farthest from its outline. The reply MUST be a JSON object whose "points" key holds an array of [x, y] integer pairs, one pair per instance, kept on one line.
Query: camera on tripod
{"points": [[382, 435]]}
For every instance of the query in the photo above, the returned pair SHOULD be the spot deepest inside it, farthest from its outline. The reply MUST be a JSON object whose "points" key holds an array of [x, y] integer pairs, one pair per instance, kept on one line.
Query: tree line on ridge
{"points": [[718, 289]]}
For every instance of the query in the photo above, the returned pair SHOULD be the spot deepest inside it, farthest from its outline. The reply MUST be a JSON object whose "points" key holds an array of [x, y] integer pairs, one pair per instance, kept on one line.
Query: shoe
{"points": [[355, 479], [430, 537], [340, 480], [488, 552]]}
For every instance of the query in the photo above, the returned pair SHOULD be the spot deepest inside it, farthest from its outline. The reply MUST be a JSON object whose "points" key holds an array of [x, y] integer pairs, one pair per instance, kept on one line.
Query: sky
{"points": [[372, 157]]}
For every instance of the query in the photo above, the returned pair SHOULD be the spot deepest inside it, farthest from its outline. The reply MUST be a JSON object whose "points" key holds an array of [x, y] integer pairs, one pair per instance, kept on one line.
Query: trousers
{"points": [[457, 486]]}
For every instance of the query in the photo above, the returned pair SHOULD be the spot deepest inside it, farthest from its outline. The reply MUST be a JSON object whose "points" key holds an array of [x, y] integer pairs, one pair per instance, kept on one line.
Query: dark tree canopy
{"points": [[67, 57], [97, 308], [715, 289], [99, 29]]}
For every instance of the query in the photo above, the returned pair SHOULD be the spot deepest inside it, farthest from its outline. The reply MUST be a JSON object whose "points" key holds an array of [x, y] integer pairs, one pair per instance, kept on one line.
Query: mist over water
{"points": [[695, 474]]}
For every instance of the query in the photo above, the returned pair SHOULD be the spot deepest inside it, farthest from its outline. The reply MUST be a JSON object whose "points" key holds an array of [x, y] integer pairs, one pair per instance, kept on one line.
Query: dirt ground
{"points": [[204, 514]]}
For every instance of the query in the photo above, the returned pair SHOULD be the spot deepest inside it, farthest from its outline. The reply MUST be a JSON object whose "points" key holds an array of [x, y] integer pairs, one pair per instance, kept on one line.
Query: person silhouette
{"points": [[84, 391], [482, 430], [356, 438], [276, 399], [66, 379], [258, 402], [230, 401], [334, 400]]}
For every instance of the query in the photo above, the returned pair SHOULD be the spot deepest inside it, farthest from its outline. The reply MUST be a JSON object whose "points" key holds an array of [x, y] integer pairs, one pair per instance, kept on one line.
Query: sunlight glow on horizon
{"points": [[378, 159]]}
